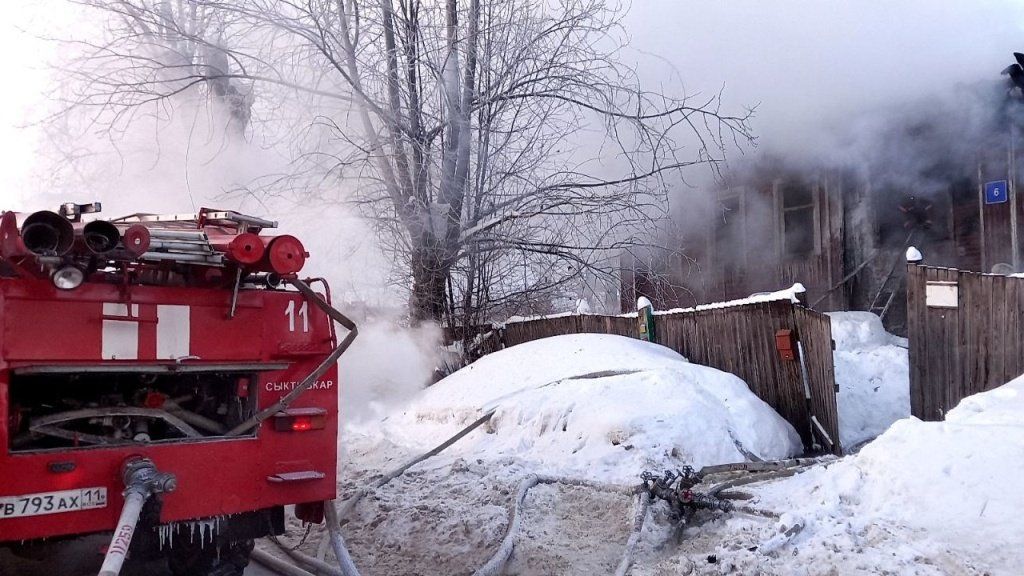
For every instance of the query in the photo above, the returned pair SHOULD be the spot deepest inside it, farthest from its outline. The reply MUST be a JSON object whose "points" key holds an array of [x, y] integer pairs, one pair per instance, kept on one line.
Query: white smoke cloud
{"points": [[811, 65], [178, 159], [386, 366]]}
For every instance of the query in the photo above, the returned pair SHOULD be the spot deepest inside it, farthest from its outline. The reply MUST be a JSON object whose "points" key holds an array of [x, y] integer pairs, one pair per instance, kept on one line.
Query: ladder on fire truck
{"points": [[183, 237], [206, 216]]}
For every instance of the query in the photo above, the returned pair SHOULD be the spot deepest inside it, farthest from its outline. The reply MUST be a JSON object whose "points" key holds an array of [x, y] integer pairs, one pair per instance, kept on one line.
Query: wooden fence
{"points": [[965, 335], [739, 340]]}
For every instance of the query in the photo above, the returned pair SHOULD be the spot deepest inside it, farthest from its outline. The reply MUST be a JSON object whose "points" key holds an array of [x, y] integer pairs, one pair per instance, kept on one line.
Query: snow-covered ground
{"points": [[873, 375], [590, 406], [925, 498], [936, 498]]}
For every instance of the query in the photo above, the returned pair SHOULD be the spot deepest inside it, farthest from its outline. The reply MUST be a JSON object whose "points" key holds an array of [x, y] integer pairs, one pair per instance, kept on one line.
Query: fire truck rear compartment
{"points": [[109, 408]]}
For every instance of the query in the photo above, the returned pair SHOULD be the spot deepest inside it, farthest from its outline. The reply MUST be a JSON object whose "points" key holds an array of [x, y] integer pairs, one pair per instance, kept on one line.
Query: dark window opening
{"points": [[730, 250], [798, 224], [799, 237]]}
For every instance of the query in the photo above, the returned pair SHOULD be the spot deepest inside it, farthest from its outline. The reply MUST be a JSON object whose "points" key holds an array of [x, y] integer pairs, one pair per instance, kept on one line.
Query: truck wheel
{"points": [[223, 559]]}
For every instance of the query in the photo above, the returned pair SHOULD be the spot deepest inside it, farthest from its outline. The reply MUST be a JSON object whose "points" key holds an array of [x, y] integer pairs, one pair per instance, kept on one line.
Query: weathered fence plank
{"points": [[739, 340], [963, 350], [916, 278], [816, 339]]}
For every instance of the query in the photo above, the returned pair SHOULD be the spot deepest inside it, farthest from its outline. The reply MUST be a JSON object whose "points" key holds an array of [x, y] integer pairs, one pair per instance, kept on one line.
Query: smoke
{"points": [[834, 83], [386, 366], [814, 69], [899, 97]]}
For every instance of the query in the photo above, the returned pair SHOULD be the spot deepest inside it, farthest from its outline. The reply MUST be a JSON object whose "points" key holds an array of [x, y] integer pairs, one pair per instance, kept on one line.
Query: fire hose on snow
{"points": [[674, 488], [645, 493], [643, 502], [141, 480], [496, 564], [307, 565]]}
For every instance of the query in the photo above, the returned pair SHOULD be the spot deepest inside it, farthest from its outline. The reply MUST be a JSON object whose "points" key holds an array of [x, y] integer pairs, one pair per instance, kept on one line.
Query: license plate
{"points": [[52, 502]]}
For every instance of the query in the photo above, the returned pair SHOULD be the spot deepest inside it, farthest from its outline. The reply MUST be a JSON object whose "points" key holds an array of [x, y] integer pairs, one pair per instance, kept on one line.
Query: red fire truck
{"points": [[165, 379]]}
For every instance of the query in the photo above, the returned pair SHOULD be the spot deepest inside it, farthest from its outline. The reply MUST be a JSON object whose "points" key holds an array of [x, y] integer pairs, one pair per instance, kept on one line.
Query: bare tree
{"points": [[502, 148]]}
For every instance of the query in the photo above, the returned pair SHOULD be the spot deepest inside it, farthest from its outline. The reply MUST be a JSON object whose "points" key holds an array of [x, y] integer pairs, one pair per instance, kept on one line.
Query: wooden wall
{"points": [[519, 332], [739, 340], [958, 351], [823, 269]]}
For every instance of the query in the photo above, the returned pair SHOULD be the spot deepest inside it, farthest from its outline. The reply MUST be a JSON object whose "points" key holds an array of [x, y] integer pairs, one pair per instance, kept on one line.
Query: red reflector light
{"points": [[300, 420]]}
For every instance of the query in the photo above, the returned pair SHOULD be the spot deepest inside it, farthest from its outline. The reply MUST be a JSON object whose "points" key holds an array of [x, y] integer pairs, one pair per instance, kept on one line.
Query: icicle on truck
{"points": [[160, 374]]}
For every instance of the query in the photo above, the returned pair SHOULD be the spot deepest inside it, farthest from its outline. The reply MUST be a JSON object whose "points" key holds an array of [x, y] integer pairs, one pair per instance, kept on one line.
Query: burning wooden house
{"points": [[946, 184]]}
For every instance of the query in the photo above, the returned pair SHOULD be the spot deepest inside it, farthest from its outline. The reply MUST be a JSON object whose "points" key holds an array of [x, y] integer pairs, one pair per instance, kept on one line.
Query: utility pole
{"points": [[981, 215], [1011, 187]]}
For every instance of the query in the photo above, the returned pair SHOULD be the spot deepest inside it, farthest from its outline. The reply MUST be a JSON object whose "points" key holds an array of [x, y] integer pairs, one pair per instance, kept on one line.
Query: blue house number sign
{"points": [[995, 192]]}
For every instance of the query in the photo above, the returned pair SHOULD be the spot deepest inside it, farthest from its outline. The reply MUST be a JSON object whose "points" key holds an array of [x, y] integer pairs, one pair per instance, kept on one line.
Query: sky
{"points": [[807, 66], [23, 65]]}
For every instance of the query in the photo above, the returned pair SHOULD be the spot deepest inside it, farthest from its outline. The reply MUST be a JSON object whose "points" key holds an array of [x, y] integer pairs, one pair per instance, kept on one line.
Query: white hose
{"points": [[643, 502], [348, 568], [496, 563], [307, 562], [334, 537], [122, 538], [278, 565]]}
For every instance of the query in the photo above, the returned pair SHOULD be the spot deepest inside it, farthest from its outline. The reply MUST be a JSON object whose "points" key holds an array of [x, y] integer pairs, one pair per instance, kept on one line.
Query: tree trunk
{"points": [[429, 279]]}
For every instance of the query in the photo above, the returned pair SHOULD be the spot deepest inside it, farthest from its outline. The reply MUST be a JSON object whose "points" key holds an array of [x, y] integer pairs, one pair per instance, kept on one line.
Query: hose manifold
{"points": [[140, 475], [141, 480]]}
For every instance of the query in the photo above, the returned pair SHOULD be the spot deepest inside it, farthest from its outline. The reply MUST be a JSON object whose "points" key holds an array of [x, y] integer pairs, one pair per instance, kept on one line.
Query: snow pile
{"points": [[914, 255], [873, 375], [928, 488], [597, 406]]}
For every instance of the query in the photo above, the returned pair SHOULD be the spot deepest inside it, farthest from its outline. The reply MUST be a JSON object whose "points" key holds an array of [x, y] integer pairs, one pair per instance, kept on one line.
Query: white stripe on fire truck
{"points": [[172, 332], [120, 338]]}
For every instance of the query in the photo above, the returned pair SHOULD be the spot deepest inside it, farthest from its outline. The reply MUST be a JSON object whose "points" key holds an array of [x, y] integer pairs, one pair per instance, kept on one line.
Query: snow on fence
{"points": [[737, 339], [966, 333]]}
